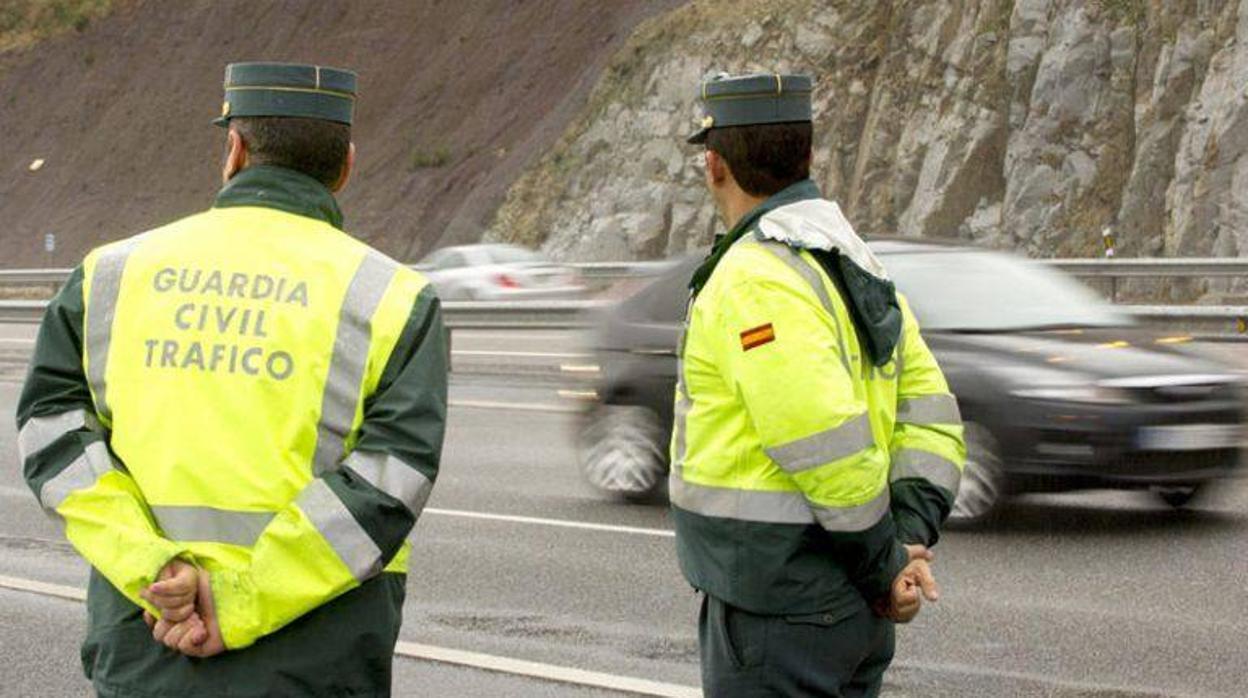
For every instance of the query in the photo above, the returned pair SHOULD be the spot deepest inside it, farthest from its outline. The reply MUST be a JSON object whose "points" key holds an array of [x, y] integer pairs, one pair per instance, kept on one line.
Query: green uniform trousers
{"points": [[829, 655], [342, 648]]}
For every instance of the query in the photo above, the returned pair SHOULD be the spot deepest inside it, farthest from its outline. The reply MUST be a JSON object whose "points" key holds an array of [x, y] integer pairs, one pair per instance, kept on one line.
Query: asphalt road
{"points": [[1088, 595]]}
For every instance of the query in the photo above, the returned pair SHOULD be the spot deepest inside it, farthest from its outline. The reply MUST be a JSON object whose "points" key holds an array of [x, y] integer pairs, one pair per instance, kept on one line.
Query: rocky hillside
{"points": [[457, 98], [1024, 124]]}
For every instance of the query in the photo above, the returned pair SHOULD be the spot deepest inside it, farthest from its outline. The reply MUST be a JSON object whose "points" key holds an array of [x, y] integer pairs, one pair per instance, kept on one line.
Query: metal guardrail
{"points": [[521, 315], [1186, 312], [458, 315], [1089, 268], [622, 270], [571, 315], [593, 270], [1151, 267], [563, 315], [21, 312], [33, 276]]}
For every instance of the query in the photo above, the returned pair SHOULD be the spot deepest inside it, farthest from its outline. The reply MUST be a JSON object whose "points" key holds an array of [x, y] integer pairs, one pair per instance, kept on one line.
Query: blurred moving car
{"points": [[498, 273], [1058, 389]]}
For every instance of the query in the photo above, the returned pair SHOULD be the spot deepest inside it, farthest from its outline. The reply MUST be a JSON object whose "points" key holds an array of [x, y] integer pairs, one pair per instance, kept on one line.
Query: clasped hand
{"points": [[187, 622], [912, 585]]}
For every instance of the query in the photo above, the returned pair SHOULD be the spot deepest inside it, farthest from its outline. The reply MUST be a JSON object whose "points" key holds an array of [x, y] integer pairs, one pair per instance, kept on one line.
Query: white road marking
{"points": [[59, 591], [24, 494], [582, 395], [470, 404], [549, 672], [518, 406], [569, 356], [512, 336], [518, 354], [1046, 680], [447, 655], [558, 523], [21, 492], [580, 368]]}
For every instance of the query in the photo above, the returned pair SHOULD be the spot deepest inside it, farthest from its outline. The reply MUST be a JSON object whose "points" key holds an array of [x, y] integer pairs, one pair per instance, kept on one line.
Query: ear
{"points": [[716, 168], [235, 157], [347, 168]]}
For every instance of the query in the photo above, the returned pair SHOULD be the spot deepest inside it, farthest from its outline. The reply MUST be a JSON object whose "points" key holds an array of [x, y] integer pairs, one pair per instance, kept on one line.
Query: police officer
{"points": [[238, 418], [817, 449]]}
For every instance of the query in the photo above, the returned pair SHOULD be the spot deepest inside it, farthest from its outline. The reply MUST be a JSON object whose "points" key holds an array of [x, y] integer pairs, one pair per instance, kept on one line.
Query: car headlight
{"points": [[1053, 384], [1086, 394]]}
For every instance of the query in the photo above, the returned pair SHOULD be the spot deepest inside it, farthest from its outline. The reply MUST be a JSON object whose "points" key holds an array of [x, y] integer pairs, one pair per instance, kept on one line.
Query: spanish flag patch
{"points": [[757, 337]]}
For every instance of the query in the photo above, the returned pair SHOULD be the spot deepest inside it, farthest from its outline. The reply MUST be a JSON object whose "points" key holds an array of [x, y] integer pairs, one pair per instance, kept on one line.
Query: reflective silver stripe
{"points": [[775, 507], [101, 309], [744, 505], [394, 477], [339, 528], [40, 432], [917, 463], [683, 404], [80, 474], [826, 446], [929, 409], [852, 519], [901, 350], [792, 258], [350, 357], [681, 426], [211, 525]]}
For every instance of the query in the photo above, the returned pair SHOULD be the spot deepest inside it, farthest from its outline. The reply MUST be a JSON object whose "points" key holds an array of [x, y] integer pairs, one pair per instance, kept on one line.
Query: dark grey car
{"points": [[1059, 390]]}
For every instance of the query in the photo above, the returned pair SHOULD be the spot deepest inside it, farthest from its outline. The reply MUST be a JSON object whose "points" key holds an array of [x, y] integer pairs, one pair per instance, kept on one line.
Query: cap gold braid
{"points": [[308, 90]]}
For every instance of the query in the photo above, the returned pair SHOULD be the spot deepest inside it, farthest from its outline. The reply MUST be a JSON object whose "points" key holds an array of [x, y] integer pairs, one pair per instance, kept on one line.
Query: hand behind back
{"points": [[188, 621], [912, 585]]}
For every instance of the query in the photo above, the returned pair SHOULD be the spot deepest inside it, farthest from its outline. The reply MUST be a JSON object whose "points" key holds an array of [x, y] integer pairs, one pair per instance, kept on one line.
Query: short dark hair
{"points": [[315, 147], [764, 158]]}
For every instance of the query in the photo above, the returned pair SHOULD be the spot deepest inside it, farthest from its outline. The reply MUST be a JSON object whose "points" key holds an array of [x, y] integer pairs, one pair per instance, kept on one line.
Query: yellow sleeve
{"points": [[927, 450], [67, 462]]}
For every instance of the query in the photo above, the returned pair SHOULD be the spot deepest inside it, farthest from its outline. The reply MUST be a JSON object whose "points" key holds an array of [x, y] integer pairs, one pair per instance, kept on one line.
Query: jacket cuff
{"points": [[912, 529], [235, 607], [892, 561], [156, 561]]}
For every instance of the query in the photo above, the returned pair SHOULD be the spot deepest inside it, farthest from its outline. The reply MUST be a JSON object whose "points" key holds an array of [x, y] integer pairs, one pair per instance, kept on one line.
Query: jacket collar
{"points": [[801, 191], [819, 224], [282, 189]]}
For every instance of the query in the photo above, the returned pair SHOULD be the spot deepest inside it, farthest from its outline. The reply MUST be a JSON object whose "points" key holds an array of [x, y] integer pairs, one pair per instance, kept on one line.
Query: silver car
{"points": [[498, 273]]}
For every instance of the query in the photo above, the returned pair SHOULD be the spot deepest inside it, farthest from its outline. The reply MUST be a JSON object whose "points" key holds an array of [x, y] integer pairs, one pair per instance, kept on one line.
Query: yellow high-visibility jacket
{"points": [[800, 466], [253, 390]]}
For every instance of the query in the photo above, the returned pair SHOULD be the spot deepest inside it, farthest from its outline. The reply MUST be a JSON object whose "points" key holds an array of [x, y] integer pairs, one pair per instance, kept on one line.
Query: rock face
{"points": [[1025, 124]]}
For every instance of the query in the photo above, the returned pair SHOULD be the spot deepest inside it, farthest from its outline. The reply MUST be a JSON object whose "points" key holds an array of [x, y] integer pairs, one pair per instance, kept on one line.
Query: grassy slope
{"points": [[25, 22]]}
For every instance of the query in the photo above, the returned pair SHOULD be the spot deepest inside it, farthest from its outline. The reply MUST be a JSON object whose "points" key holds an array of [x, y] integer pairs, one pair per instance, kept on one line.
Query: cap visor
{"points": [[699, 137], [222, 121]]}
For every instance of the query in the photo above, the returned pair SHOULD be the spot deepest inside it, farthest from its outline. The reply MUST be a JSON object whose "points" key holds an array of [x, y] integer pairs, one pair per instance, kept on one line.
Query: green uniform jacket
{"points": [[318, 611], [815, 435]]}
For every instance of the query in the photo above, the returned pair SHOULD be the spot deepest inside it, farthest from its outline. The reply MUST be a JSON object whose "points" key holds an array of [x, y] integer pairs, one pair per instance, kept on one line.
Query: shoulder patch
{"points": [[757, 337]]}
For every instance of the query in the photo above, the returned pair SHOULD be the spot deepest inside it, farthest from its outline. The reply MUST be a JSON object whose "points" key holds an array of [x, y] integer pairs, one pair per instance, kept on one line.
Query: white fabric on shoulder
{"points": [[818, 224]]}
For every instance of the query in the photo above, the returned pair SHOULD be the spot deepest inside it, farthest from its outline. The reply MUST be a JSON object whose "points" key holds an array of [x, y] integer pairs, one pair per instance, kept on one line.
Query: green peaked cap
{"points": [[749, 100], [288, 89]]}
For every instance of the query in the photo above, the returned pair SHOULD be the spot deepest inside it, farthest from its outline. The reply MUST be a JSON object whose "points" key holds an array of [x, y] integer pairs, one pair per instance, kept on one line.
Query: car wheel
{"points": [[622, 451], [1178, 497], [982, 489]]}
